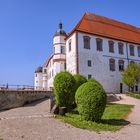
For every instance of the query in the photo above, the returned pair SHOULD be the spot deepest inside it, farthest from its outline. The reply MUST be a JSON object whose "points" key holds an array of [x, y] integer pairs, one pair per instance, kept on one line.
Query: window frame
{"points": [[99, 47], [112, 64], [120, 48], [69, 45], [89, 63], [86, 41], [138, 49], [111, 46], [121, 65], [132, 53]]}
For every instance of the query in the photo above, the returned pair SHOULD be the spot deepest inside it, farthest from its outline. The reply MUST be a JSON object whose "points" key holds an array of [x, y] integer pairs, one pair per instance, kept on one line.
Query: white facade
{"points": [[99, 68], [71, 55]]}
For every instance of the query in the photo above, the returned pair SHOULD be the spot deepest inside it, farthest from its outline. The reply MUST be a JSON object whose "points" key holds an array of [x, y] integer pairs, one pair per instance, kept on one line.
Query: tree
{"points": [[131, 75]]}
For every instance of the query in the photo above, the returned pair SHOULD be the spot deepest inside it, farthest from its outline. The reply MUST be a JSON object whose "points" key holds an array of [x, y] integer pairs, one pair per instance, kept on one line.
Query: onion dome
{"points": [[60, 30], [38, 70]]}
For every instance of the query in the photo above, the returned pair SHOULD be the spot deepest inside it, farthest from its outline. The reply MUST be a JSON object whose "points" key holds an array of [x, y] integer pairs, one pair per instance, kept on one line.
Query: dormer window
{"points": [[86, 40], [99, 43], [111, 46]]}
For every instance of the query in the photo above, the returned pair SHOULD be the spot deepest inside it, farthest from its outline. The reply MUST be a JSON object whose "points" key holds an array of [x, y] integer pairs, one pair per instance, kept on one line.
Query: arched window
{"points": [[86, 40], [120, 48], [99, 43], [131, 48], [112, 64], [121, 65], [111, 46]]}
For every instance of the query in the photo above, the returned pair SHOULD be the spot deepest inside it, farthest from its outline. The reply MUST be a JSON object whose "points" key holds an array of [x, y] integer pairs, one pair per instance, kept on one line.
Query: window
{"points": [[138, 51], [86, 42], [99, 43], [136, 88], [45, 70], [89, 63], [132, 62], [131, 47], [111, 46], [69, 45], [64, 66], [112, 64], [62, 49], [120, 48], [121, 65], [89, 76]]}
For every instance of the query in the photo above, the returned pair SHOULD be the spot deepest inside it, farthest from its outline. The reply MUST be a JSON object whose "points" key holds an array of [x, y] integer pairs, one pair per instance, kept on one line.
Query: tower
{"points": [[59, 45], [38, 78]]}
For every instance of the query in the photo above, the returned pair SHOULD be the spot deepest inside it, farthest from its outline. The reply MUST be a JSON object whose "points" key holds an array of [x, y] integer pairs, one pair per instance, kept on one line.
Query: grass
{"points": [[113, 118], [135, 95]]}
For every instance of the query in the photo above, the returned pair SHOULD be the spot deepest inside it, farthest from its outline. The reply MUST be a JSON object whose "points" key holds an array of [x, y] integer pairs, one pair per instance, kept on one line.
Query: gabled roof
{"points": [[99, 25]]}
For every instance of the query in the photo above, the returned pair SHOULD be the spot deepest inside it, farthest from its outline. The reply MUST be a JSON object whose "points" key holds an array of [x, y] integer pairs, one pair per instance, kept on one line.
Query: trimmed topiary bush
{"points": [[91, 101], [79, 79], [93, 80], [64, 89]]}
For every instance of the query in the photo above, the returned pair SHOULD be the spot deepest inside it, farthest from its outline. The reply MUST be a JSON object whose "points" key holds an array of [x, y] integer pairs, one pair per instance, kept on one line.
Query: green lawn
{"points": [[135, 95], [113, 118]]}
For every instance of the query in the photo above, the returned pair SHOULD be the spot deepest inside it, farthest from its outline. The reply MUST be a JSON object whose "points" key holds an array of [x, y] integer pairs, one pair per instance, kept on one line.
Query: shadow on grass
{"points": [[117, 122]]}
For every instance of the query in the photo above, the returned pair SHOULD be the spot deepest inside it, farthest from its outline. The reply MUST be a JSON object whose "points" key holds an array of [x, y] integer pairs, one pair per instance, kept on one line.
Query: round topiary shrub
{"points": [[79, 79], [64, 89], [94, 80], [91, 101]]}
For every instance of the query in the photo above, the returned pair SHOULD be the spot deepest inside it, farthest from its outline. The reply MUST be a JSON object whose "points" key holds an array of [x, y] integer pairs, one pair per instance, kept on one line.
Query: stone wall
{"points": [[16, 98]]}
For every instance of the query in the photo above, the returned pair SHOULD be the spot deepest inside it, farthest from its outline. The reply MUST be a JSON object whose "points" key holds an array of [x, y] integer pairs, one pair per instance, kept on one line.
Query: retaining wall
{"points": [[16, 98]]}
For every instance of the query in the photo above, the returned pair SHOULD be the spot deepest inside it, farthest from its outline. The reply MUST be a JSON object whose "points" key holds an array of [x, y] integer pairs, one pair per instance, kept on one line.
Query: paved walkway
{"points": [[34, 123]]}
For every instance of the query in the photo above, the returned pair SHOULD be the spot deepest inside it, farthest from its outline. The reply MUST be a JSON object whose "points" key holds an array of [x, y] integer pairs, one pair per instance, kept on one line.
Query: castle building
{"points": [[97, 47]]}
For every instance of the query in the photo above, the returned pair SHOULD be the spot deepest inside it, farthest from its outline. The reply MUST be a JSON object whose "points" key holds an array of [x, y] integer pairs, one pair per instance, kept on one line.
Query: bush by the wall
{"points": [[94, 80], [64, 89], [91, 101], [79, 79]]}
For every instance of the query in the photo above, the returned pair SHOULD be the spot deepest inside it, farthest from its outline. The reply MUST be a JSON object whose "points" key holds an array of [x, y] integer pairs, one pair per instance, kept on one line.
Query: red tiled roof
{"points": [[99, 25]]}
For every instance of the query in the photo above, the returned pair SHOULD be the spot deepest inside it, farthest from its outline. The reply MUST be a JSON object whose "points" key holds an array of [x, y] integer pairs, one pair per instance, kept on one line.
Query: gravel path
{"points": [[34, 123]]}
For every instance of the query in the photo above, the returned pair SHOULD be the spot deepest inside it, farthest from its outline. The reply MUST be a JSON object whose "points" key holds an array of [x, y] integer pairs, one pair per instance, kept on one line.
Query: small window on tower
{"points": [[62, 49]]}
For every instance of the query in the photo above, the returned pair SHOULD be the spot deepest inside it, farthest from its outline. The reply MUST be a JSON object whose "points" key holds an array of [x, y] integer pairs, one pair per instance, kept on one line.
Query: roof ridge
{"points": [[132, 30], [96, 20]]}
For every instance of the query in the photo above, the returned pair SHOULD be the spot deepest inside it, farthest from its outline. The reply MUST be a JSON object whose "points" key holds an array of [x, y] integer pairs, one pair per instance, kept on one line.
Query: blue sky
{"points": [[27, 28]]}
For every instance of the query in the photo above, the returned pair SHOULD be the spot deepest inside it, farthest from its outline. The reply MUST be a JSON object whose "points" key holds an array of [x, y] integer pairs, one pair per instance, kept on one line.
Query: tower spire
{"points": [[60, 25]]}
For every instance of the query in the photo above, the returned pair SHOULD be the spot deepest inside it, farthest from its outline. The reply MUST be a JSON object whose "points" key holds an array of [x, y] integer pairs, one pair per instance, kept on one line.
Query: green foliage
{"points": [[131, 75], [113, 118], [91, 101], [79, 79], [93, 80], [64, 89], [135, 95]]}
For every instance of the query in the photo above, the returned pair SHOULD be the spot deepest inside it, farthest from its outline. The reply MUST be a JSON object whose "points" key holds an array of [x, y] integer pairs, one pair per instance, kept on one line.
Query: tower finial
{"points": [[60, 25]]}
